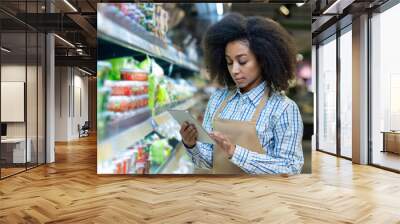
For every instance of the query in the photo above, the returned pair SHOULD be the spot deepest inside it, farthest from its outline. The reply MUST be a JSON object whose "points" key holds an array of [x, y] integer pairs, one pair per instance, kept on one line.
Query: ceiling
{"points": [[329, 16], [79, 27]]}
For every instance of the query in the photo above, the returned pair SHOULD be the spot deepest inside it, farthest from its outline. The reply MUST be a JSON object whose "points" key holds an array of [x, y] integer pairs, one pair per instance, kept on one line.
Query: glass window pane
{"points": [[22, 62], [327, 96], [385, 86], [13, 85], [41, 99], [346, 94], [31, 96]]}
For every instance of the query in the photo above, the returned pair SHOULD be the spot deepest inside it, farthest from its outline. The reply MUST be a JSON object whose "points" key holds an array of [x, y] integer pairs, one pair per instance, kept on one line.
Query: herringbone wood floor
{"points": [[69, 191]]}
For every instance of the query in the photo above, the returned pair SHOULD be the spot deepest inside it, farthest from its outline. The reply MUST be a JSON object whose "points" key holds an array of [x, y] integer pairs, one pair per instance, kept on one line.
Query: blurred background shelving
{"points": [[139, 79]]}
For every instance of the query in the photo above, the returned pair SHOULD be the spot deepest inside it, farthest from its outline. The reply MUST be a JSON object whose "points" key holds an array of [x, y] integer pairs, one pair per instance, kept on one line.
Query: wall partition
{"points": [[22, 78], [334, 91], [14, 153]]}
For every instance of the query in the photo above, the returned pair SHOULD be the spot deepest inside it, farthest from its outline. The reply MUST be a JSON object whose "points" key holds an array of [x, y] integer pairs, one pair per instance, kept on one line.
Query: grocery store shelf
{"points": [[140, 115], [186, 104], [103, 89], [114, 145], [131, 97], [126, 132], [111, 83], [159, 169], [113, 32], [172, 165], [178, 105]]}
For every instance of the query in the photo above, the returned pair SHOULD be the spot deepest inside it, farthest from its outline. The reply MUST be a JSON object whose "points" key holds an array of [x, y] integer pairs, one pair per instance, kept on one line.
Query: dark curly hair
{"points": [[268, 41]]}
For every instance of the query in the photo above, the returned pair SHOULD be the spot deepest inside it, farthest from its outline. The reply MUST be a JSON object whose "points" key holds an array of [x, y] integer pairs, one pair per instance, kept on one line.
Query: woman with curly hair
{"points": [[257, 129]]}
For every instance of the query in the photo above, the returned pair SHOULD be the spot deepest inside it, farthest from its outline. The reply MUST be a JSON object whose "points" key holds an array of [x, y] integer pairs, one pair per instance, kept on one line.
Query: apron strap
{"points": [[260, 105], [256, 113], [223, 104]]}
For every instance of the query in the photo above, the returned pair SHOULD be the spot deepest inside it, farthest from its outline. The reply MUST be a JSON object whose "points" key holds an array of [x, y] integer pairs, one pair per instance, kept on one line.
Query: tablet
{"points": [[183, 115]]}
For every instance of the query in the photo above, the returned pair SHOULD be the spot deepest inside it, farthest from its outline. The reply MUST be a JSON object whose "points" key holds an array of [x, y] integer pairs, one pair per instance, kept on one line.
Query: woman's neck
{"points": [[251, 85]]}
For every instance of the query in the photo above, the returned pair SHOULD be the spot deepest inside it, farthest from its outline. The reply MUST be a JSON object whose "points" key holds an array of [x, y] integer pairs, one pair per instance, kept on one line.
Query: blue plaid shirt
{"points": [[279, 128]]}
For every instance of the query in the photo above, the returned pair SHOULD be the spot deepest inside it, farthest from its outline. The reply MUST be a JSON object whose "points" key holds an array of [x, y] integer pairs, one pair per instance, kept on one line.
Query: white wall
{"points": [[34, 125], [61, 103], [71, 93], [80, 100], [10, 73], [13, 73]]}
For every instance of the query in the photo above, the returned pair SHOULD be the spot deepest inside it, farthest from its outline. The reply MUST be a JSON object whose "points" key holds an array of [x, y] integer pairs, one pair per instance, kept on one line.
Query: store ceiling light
{"points": [[337, 7], [5, 50], [220, 8], [300, 4], [84, 71], [64, 40], [70, 5], [284, 10], [332, 7], [299, 57]]}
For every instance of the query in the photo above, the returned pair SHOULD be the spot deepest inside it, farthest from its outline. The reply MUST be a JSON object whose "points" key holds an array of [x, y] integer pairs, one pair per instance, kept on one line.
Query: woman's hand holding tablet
{"points": [[190, 129]]}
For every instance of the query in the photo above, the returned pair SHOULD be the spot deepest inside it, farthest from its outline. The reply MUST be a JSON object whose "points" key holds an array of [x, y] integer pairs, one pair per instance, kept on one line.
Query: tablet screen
{"points": [[183, 115]]}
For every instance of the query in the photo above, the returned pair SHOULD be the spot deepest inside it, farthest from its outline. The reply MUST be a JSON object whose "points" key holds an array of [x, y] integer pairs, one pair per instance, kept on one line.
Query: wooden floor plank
{"points": [[70, 191]]}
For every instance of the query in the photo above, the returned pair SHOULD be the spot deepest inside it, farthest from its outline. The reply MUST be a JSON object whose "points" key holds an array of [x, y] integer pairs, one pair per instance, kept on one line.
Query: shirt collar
{"points": [[254, 94]]}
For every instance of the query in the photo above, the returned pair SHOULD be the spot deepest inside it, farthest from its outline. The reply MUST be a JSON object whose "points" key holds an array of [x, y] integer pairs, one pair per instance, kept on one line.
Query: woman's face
{"points": [[242, 65]]}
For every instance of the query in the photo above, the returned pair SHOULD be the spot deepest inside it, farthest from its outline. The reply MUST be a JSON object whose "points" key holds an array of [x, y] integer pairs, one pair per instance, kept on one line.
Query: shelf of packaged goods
{"points": [[103, 89], [177, 105], [117, 34], [109, 167], [172, 163], [111, 83], [157, 169], [130, 97], [163, 116], [116, 144], [130, 119], [187, 104], [181, 163], [124, 137], [137, 116]]}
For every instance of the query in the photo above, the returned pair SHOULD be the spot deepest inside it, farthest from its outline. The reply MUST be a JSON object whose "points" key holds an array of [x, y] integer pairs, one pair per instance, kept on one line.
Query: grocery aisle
{"points": [[139, 79], [143, 73]]}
